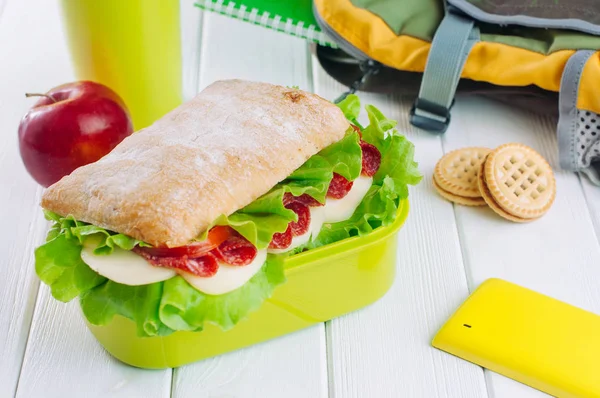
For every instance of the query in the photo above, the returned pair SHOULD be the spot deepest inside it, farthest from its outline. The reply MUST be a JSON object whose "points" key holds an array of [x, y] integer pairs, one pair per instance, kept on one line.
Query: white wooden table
{"points": [[381, 351]]}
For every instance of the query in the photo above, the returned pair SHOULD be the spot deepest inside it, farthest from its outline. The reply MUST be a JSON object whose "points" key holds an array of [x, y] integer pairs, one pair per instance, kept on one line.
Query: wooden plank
{"points": [[293, 365], [592, 195], [62, 358], [384, 350], [503, 387], [29, 64], [241, 50], [191, 44], [18, 286], [557, 255], [2, 5]]}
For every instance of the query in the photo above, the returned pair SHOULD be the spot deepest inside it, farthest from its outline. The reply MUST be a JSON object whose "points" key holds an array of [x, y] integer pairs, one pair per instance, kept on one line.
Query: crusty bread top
{"points": [[213, 155]]}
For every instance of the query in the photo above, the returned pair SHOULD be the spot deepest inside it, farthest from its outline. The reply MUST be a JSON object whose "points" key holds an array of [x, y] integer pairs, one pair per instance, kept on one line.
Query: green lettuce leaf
{"points": [[345, 156], [138, 303], [58, 264], [397, 171], [379, 125], [398, 164], [78, 230], [313, 177], [185, 308], [350, 106], [160, 308]]}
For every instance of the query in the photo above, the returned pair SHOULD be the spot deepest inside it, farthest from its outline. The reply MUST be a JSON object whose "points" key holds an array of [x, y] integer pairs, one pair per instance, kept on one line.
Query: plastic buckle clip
{"points": [[368, 68], [426, 123]]}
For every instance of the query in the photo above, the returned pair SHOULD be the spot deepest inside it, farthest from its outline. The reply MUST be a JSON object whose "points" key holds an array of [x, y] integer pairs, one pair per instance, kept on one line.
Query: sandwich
{"points": [[189, 221]]}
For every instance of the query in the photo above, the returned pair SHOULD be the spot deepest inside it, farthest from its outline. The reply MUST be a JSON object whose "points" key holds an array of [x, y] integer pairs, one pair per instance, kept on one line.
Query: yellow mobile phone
{"points": [[529, 337]]}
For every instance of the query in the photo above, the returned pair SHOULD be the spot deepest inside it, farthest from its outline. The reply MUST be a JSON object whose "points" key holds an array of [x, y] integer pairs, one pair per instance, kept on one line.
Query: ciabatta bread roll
{"points": [[213, 155]]}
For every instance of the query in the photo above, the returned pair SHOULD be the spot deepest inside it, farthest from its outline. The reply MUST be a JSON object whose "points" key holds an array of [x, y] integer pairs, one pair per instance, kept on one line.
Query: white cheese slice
{"points": [[317, 219], [337, 210], [228, 277], [125, 267]]}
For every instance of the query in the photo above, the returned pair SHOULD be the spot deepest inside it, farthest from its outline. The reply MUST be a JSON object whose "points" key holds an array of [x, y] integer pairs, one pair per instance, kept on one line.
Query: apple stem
{"points": [[51, 98]]}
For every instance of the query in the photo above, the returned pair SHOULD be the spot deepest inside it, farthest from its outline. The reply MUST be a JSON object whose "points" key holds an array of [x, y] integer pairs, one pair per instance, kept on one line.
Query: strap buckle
{"points": [[368, 69], [428, 123]]}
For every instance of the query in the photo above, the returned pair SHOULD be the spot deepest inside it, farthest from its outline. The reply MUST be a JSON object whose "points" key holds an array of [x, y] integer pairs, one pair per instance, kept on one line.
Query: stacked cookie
{"points": [[514, 180]]}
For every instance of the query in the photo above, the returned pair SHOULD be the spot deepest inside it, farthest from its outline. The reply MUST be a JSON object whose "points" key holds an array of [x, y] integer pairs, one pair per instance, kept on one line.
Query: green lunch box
{"points": [[321, 284]]}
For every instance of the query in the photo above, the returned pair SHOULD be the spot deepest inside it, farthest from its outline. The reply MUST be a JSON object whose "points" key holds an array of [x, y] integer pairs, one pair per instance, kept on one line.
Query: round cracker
{"points": [[520, 180], [456, 172], [458, 199], [489, 200]]}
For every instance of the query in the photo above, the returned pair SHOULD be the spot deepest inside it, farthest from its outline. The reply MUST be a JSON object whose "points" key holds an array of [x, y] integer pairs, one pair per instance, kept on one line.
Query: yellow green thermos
{"points": [[131, 46]]}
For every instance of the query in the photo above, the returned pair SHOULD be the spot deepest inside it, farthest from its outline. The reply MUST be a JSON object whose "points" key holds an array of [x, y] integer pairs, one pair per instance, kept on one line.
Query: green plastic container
{"points": [[321, 284]]}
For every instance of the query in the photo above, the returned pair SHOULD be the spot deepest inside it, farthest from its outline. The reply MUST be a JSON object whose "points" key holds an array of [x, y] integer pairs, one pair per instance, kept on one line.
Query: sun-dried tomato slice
{"points": [[371, 159], [301, 226], [281, 240], [235, 250], [205, 265], [305, 199], [339, 187]]}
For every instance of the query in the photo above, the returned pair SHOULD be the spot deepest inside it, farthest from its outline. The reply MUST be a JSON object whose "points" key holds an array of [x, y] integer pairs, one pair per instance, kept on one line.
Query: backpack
{"points": [[542, 53]]}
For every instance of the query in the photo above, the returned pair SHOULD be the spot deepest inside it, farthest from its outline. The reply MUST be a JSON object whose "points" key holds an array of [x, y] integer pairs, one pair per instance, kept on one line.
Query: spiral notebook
{"points": [[294, 17]]}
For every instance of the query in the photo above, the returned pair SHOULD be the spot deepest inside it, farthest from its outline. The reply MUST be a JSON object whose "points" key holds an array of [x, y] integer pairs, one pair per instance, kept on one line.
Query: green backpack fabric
{"points": [[540, 52]]}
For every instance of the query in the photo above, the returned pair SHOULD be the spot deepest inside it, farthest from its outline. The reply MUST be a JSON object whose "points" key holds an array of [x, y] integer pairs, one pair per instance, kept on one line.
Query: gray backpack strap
{"points": [[450, 48], [578, 130]]}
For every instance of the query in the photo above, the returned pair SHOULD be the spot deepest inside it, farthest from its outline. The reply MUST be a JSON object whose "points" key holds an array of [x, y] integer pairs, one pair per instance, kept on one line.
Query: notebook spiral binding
{"points": [[275, 22]]}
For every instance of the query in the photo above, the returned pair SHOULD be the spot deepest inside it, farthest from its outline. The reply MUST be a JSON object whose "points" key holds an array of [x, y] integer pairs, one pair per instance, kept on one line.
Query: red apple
{"points": [[71, 125]]}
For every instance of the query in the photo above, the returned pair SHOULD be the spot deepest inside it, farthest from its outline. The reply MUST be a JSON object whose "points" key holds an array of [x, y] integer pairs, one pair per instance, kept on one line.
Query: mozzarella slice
{"points": [[125, 267], [228, 277], [317, 219], [337, 210]]}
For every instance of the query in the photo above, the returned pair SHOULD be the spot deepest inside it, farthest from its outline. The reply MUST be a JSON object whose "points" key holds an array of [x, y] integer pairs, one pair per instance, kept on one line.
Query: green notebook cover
{"points": [[294, 17]]}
